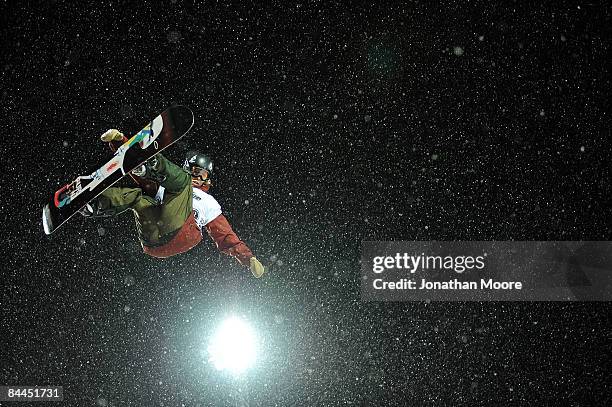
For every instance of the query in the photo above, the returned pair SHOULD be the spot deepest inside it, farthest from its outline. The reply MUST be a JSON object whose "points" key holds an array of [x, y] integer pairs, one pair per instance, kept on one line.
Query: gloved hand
{"points": [[111, 135], [256, 267]]}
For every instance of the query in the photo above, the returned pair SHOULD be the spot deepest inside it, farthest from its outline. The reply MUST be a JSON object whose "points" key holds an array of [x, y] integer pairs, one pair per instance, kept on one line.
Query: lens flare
{"points": [[232, 348]]}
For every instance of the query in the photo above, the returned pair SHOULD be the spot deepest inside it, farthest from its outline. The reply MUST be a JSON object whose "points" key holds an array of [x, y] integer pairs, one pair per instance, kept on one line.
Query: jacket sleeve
{"points": [[227, 242]]}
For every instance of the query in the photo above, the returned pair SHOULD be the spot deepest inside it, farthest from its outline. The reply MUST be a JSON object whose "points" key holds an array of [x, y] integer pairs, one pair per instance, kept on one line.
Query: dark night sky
{"points": [[330, 123]]}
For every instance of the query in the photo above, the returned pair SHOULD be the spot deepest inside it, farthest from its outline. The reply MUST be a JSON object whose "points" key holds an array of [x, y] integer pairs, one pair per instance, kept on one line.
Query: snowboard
{"points": [[160, 133]]}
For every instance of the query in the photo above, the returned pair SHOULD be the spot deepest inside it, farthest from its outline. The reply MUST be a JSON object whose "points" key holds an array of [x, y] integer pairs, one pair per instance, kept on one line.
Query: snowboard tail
{"points": [[160, 133]]}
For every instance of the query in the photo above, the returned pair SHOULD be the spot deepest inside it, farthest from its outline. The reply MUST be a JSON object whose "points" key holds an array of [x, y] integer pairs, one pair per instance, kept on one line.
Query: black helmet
{"points": [[200, 167], [196, 162]]}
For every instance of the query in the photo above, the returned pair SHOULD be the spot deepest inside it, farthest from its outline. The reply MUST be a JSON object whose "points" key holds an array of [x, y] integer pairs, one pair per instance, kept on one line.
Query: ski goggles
{"points": [[199, 173]]}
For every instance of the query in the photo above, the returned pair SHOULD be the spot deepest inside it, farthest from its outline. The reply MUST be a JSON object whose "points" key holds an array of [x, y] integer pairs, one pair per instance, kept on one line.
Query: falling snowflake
{"points": [[174, 37]]}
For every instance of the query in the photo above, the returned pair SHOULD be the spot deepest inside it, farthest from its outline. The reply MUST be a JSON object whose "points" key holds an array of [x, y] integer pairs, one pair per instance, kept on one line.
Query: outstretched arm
{"points": [[228, 242]]}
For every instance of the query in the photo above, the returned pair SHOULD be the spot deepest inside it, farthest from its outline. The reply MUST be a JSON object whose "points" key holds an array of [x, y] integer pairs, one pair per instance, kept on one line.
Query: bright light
{"points": [[233, 346]]}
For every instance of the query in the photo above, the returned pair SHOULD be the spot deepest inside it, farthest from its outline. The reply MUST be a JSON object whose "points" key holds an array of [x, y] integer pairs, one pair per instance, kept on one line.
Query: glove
{"points": [[256, 267], [111, 135]]}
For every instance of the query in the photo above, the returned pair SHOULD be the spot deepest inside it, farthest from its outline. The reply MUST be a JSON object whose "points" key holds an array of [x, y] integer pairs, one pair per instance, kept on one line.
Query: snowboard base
{"points": [[160, 133]]}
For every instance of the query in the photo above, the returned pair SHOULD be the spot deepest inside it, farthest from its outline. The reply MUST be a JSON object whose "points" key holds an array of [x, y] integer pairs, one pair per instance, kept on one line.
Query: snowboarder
{"points": [[172, 207]]}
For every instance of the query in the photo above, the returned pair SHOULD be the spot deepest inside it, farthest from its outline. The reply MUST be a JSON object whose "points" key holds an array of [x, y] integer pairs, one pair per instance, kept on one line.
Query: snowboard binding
{"points": [[94, 210], [150, 170]]}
